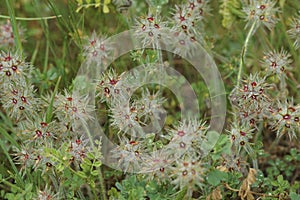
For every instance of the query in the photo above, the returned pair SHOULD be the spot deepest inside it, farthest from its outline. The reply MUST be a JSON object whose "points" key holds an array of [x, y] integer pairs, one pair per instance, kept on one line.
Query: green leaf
{"points": [[49, 112], [9, 138], [280, 179], [152, 187], [119, 186], [215, 177], [181, 194], [81, 174], [90, 156], [95, 172], [294, 196], [97, 163]]}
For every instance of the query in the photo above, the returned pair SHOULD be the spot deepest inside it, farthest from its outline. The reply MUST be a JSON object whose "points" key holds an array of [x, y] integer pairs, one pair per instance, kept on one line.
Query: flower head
{"points": [[129, 155], [240, 136], [150, 29], [7, 36], [186, 139], [251, 98], [157, 165], [12, 68], [285, 119], [187, 16], [97, 50], [188, 173], [19, 101], [70, 108], [277, 62], [110, 87], [294, 31], [184, 45], [261, 12]]}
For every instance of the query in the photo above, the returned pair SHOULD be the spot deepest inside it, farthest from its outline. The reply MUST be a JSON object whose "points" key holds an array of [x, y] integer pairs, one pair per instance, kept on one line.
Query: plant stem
{"points": [[101, 179], [244, 52], [30, 18]]}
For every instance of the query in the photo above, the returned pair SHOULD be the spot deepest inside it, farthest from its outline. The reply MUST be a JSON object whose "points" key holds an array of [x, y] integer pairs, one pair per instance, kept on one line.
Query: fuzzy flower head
{"points": [[285, 119], [251, 97], [188, 173], [184, 45], [187, 16], [19, 101], [12, 68], [24, 156], [157, 165], [97, 50], [38, 132], [187, 138], [294, 32], [125, 118], [110, 87], [129, 155], [150, 29], [277, 62], [7, 35], [72, 107], [46, 194], [231, 163], [240, 137], [261, 12], [149, 106], [79, 148]]}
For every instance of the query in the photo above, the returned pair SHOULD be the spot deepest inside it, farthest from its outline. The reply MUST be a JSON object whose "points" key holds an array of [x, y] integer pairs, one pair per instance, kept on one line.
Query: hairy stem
{"points": [[244, 52]]}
